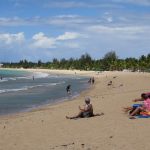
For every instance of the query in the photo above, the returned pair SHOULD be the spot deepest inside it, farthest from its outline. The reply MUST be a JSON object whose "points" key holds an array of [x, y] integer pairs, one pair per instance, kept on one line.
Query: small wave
{"points": [[11, 78], [36, 75], [49, 84], [4, 80], [7, 79], [23, 77], [29, 87], [12, 90], [40, 75]]}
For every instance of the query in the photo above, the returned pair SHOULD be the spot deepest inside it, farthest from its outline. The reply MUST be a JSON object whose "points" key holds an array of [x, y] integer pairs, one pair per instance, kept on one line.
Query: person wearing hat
{"points": [[85, 112]]}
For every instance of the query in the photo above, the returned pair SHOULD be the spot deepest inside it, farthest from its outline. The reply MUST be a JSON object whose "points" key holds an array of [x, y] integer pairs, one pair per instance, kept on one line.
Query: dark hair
{"points": [[144, 96]]}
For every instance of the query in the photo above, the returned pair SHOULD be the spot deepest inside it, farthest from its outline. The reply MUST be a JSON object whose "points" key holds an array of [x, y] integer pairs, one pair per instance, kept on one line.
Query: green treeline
{"points": [[109, 62]]}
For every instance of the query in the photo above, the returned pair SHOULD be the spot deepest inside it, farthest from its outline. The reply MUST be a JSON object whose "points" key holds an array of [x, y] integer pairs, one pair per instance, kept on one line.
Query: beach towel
{"points": [[144, 115], [136, 105]]}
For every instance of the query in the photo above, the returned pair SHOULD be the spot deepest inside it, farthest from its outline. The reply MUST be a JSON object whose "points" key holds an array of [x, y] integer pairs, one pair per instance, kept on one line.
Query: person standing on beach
{"points": [[89, 81], [68, 89], [93, 80], [33, 78]]}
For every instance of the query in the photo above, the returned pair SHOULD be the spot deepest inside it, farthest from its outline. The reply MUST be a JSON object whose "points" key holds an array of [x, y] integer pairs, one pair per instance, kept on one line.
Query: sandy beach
{"points": [[47, 128]]}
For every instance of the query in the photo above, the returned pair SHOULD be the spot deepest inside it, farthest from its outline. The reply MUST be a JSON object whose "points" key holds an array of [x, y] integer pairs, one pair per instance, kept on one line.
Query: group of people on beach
{"points": [[87, 110], [133, 111], [139, 109], [136, 109], [91, 80]]}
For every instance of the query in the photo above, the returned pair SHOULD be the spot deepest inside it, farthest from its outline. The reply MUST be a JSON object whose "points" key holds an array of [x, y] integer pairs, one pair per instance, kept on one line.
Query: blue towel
{"points": [[136, 105], [142, 116]]}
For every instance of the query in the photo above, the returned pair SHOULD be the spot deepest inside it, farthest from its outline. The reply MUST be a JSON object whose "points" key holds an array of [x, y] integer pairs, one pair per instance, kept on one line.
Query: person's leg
{"points": [[77, 116], [98, 114], [127, 109], [136, 111]]}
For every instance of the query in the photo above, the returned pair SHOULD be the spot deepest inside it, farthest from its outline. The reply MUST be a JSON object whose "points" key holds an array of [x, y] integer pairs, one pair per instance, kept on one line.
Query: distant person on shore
{"points": [[109, 83], [85, 112], [93, 80], [68, 89], [89, 81], [33, 78], [1, 78]]}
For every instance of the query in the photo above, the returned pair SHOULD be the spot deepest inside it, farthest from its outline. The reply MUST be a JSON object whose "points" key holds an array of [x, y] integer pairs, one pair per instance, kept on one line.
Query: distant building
{"points": [[1, 65]]}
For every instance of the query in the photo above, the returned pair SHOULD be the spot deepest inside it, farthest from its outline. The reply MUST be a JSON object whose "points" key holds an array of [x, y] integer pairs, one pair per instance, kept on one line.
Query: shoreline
{"points": [[95, 74], [114, 130], [44, 106], [55, 71], [47, 104]]}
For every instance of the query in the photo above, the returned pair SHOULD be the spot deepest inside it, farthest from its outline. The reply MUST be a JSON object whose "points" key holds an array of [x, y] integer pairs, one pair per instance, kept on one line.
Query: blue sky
{"points": [[46, 29]]}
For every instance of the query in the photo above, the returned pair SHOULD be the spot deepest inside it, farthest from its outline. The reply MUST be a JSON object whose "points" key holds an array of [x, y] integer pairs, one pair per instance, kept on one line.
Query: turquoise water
{"points": [[23, 91]]}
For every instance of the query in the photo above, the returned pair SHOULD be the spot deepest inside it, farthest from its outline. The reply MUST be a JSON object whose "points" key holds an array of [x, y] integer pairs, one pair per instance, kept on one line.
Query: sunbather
{"points": [[85, 112], [145, 107], [132, 108], [109, 83]]}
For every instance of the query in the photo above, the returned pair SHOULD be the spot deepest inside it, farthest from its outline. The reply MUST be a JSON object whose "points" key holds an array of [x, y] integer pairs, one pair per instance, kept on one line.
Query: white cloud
{"points": [[42, 41], [8, 38], [60, 20], [117, 29], [76, 22], [14, 21], [68, 36], [109, 19]]}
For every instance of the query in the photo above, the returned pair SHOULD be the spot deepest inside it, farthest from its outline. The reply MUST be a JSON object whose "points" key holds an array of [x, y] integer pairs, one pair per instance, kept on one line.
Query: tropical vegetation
{"points": [[109, 62]]}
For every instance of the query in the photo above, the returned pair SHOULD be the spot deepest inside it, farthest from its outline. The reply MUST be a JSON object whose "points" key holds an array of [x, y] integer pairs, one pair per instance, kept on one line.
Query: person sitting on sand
{"points": [[109, 83], [85, 112], [137, 109], [132, 108], [145, 107]]}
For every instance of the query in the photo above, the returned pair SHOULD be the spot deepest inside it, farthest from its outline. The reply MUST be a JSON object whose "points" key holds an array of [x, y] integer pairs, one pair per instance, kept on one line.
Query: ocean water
{"points": [[22, 90]]}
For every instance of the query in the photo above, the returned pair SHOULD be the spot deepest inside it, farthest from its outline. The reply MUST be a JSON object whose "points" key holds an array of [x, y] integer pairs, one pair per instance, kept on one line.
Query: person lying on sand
{"points": [[85, 112]]}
